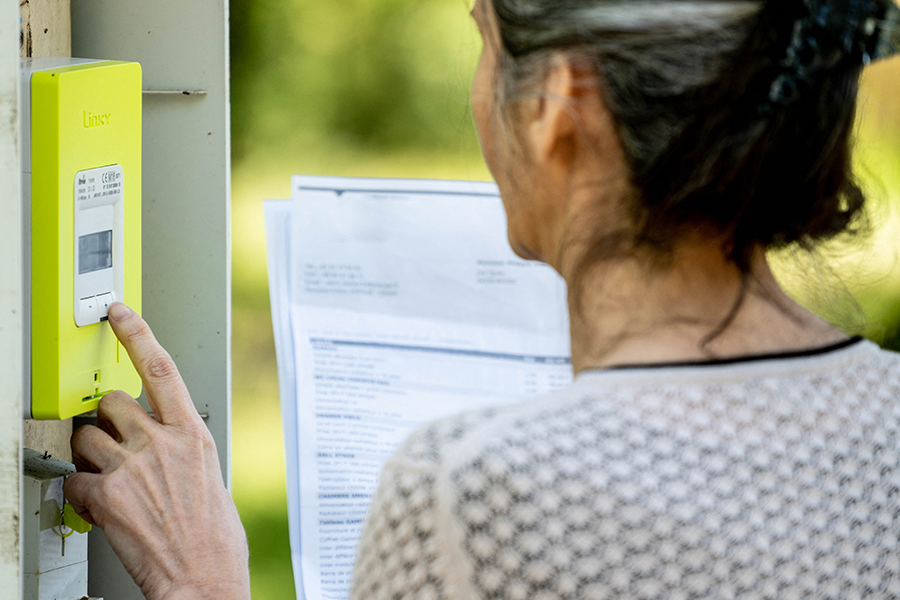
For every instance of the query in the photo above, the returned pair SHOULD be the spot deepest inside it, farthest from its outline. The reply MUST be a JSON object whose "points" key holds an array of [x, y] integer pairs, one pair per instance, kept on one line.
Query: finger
{"points": [[122, 417], [164, 388], [92, 446], [80, 490], [107, 426]]}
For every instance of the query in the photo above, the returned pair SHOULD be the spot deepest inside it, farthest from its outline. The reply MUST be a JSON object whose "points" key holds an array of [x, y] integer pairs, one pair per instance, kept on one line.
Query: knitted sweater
{"points": [[771, 477]]}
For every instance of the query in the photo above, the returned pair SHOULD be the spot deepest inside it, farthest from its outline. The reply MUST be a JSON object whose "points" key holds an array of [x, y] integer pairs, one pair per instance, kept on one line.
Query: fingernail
{"points": [[118, 311]]}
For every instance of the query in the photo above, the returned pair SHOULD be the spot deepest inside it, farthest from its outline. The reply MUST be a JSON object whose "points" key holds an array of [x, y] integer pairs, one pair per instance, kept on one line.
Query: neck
{"points": [[696, 306]]}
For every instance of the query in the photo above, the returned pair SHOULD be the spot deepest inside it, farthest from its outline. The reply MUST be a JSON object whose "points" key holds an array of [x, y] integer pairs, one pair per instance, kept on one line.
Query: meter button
{"points": [[104, 300], [90, 310]]}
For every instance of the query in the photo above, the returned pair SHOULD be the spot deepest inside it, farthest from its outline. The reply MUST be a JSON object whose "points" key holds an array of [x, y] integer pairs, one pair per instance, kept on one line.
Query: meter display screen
{"points": [[95, 252]]}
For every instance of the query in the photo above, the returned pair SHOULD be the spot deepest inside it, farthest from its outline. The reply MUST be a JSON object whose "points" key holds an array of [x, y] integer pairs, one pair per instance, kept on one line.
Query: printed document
{"points": [[395, 303]]}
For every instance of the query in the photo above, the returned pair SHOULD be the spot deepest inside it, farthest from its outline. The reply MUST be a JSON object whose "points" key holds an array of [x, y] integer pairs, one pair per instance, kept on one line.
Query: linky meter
{"points": [[81, 163]]}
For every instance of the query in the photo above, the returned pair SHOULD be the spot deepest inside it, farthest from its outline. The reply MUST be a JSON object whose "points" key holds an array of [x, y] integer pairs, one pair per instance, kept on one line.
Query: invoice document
{"points": [[395, 303]]}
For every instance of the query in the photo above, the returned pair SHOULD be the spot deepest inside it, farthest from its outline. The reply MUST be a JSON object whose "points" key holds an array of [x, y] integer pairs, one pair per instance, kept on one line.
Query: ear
{"points": [[563, 112]]}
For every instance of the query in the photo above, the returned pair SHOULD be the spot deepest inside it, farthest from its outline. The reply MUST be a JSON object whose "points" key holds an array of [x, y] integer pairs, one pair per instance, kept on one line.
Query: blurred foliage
{"points": [[380, 88], [378, 75]]}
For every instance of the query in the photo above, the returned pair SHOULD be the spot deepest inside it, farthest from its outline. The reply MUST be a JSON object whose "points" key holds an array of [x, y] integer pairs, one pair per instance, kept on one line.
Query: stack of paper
{"points": [[394, 303]]}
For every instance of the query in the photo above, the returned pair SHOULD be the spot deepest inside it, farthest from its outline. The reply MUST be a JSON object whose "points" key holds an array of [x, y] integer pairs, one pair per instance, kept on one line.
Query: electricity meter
{"points": [[81, 196]]}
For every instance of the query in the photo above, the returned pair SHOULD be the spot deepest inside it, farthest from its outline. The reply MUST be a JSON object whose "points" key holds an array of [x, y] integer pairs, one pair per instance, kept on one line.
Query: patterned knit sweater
{"points": [[770, 477]]}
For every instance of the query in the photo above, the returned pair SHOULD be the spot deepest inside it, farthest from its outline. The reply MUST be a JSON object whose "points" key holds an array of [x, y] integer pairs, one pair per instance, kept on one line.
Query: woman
{"points": [[719, 439]]}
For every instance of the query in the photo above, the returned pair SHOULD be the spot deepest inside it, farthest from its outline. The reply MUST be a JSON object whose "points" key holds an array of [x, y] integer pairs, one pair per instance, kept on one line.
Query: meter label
{"points": [[105, 185]]}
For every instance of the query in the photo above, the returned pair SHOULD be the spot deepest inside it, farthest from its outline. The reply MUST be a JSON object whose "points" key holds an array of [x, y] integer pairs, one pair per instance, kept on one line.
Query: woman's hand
{"points": [[154, 485]]}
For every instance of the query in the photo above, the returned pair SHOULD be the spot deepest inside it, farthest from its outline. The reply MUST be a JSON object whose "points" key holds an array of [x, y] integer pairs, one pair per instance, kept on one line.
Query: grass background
{"points": [[363, 88]]}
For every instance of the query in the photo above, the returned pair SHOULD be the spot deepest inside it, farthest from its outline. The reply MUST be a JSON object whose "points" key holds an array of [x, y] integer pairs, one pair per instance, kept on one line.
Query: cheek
{"points": [[496, 156], [482, 98], [484, 114]]}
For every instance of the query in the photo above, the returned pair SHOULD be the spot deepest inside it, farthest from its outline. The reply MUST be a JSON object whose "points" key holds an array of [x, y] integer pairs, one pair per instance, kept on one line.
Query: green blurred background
{"points": [[380, 88]]}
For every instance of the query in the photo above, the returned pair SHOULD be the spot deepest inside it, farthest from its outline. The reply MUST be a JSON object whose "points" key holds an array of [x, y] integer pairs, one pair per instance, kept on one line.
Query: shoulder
{"points": [[880, 363], [870, 377]]}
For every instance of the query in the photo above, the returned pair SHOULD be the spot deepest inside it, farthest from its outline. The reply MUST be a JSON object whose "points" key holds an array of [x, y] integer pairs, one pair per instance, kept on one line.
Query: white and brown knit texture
{"points": [[764, 479]]}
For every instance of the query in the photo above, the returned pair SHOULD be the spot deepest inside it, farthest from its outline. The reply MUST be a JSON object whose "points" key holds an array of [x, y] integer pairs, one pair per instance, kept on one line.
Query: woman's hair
{"points": [[690, 85]]}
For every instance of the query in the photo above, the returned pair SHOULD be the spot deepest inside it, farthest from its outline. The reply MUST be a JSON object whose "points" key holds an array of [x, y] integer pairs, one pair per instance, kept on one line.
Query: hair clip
{"points": [[830, 33], [884, 33]]}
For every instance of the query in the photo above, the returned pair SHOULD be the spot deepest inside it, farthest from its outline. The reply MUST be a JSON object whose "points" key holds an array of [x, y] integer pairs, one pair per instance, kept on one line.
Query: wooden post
{"points": [[46, 30]]}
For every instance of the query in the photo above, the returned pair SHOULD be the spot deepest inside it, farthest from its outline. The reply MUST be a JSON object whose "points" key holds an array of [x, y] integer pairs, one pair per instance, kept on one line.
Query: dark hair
{"points": [[688, 83]]}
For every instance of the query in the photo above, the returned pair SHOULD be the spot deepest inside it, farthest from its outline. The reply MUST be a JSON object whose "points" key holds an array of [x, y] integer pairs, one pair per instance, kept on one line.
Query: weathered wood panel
{"points": [[46, 30], [49, 436]]}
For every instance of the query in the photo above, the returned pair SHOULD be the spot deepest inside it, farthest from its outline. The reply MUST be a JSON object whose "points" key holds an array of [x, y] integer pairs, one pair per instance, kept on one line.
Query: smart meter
{"points": [[81, 162]]}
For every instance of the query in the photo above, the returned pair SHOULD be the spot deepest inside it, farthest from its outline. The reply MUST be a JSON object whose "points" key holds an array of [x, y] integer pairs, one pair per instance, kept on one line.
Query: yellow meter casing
{"points": [[81, 132]]}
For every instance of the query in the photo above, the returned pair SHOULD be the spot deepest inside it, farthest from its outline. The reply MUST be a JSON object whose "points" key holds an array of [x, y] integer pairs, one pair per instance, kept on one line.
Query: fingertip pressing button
{"points": [[103, 301]]}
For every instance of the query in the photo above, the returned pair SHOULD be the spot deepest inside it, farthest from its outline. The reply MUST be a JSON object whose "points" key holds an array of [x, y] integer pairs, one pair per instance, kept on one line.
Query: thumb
{"points": [[80, 490]]}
